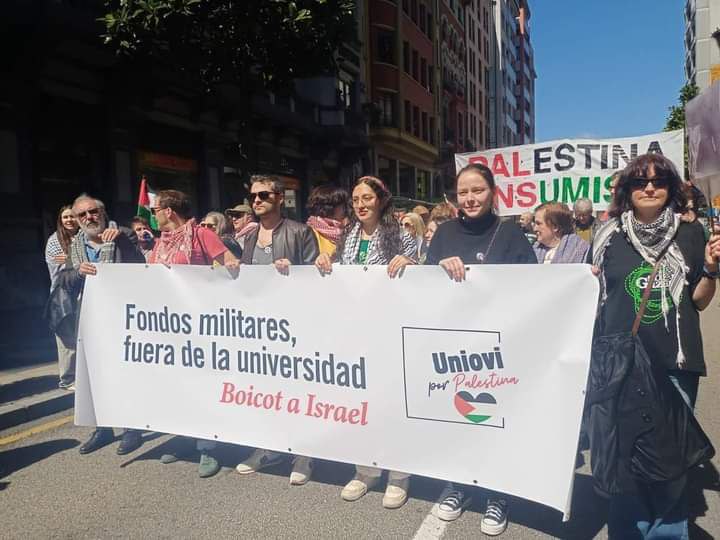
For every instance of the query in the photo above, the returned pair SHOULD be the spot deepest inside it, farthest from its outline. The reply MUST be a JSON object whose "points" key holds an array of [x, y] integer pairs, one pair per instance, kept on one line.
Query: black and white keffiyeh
{"points": [[78, 254], [650, 241], [408, 247]]}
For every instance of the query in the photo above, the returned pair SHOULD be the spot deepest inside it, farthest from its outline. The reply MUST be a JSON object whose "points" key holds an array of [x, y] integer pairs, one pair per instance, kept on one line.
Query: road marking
{"points": [[35, 430], [431, 528]]}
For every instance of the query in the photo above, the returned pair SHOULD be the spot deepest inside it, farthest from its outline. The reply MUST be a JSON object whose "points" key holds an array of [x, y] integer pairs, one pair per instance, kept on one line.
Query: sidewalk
{"points": [[29, 393]]}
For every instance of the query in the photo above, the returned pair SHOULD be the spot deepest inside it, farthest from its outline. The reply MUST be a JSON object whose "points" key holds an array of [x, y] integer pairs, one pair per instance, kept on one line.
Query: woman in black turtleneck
{"points": [[477, 236]]}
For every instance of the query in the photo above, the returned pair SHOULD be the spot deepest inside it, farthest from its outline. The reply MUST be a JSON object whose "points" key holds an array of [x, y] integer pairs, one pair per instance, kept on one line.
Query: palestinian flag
{"points": [[146, 200]]}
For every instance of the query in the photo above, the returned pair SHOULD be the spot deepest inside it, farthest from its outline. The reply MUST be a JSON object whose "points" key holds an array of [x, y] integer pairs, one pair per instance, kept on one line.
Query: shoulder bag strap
{"points": [[646, 294]]}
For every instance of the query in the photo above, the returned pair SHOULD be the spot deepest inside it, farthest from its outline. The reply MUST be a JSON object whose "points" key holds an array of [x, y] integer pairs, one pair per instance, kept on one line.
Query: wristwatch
{"points": [[710, 275]]}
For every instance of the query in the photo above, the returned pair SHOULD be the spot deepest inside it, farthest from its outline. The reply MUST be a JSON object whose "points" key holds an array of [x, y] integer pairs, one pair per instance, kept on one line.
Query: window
{"points": [[408, 117], [385, 47], [432, 130], [460, 127], [415, 73], [387, 109], [430, 26], [424, 126], [414, 11], [422, 18], [405, 6], [431, 79], [423, 72], [406, 57], [344, 90], [416, 122]]}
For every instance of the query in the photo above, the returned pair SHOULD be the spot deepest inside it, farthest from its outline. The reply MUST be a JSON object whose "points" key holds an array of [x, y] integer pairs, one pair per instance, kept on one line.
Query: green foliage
{"points": [[242, 42], [676, 118]]}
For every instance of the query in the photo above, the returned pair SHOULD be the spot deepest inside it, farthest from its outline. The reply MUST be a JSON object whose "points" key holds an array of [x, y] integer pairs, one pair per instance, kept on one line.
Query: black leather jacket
{"points": [[291, 240]]}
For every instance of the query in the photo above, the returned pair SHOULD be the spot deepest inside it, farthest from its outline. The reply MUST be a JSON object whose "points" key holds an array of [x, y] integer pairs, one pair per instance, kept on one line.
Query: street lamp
{"points": [[716, 35]]}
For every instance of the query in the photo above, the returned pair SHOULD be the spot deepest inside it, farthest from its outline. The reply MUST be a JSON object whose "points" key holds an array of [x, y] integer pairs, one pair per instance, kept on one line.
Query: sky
{"points": [[605, 68]]}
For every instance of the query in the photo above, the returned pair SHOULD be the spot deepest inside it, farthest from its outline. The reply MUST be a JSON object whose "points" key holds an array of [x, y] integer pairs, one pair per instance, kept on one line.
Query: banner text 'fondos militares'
{"points": [[568, 169], [477, 386]]}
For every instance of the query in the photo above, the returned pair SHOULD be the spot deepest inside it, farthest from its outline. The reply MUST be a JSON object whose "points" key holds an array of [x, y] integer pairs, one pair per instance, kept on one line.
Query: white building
{"points": [[702, 50]]}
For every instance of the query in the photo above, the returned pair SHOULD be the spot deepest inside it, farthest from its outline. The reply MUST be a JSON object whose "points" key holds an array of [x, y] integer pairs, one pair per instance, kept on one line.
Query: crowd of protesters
{"points": [[649, 227]]}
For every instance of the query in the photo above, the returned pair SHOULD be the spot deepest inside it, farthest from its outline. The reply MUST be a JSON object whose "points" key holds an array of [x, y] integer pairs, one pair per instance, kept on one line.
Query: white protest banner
{"points": [[567, 169], [480, 382]]}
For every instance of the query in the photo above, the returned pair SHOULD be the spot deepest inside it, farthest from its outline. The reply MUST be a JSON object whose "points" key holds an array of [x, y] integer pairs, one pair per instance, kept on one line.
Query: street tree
{"points": [[245, 43], [676, 118]]}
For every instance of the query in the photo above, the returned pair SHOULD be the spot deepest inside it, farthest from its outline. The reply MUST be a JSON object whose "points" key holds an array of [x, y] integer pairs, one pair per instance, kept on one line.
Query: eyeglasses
{"points": [[89, 211], [367, 199], [661, 182], [208, 225], [262, 195]]}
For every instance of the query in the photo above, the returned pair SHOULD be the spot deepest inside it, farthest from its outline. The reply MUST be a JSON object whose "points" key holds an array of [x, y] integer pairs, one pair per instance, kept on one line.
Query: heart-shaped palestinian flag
{"points": [[476, 409]]}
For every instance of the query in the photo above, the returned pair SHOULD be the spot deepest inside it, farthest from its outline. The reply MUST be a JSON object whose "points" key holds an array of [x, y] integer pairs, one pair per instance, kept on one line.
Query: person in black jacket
{"points": [[281, 242], [645, 227], [476, 236]]}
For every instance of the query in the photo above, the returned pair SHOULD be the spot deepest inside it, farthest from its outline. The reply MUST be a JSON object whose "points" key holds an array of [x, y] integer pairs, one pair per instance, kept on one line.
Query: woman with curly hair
{"points": [[372, 236], [646, 244]]}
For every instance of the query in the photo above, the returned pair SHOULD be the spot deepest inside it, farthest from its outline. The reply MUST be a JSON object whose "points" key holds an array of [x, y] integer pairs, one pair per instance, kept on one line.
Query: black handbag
{"points": [[640, 428]]}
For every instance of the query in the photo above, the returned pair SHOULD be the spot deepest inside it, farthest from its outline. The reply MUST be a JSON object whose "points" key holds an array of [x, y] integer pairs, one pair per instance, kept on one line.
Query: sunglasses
{"points": [[262, 195], [90, 211], [208, 225], [660, 182]]}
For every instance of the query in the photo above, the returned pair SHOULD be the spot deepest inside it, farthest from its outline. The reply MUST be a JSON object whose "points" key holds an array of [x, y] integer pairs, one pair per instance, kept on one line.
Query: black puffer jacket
{"points": [[291, 240]]}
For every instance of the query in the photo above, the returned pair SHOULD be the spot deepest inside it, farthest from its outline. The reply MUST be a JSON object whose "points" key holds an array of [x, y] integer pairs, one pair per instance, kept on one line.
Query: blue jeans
{"points": [[657, 511], [687, 384]]}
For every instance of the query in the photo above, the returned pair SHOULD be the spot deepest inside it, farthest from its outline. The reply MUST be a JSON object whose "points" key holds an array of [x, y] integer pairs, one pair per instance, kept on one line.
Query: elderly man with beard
{"points": [[94, 243]]}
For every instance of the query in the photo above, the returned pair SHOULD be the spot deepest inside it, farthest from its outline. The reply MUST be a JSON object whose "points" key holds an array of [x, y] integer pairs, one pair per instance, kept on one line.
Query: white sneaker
{"points": [[451, 504], [302, 469], [396, 493], [357, 487], [258, 460], [495, 520]]}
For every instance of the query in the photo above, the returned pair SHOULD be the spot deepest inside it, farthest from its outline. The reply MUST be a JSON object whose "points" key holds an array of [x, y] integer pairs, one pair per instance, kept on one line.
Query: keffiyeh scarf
{"points": [[329, 228], [174, 247], [408, 247], [78, 254]]}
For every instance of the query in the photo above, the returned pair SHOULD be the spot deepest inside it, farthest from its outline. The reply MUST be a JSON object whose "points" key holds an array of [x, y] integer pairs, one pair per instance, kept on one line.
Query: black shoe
{"points": [[100, 437], [131, 441]]}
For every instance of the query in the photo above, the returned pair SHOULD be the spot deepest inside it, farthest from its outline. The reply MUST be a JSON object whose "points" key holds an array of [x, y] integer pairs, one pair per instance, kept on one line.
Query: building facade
{"points": [[512, 84], [478, 16], [402, 84], [702, 42]]}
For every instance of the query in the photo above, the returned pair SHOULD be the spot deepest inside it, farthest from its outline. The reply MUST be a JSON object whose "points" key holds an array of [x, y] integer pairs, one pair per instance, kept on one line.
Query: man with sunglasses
{"points": [[281, 242], [94, 243], [183, 241], [278, 241]]}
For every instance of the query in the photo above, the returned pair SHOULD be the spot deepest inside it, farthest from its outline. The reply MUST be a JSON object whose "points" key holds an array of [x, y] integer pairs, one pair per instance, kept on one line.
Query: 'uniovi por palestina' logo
{"points": [[455, 376]]}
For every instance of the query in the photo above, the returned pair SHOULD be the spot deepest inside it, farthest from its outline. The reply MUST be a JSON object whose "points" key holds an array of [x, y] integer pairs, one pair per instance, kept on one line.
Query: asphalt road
{"points": [[48, 490]]}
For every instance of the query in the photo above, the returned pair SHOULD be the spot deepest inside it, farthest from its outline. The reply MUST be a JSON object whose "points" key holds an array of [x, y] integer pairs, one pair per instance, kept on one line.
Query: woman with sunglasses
{"points": [[645, 227], [372, 236], [476, 236], [215, 221]]}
